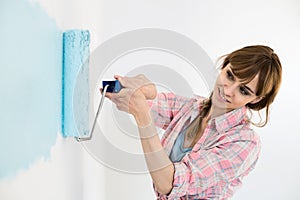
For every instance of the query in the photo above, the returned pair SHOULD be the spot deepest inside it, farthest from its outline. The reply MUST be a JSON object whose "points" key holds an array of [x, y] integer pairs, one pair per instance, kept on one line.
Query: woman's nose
{"points": [[229, 90]]}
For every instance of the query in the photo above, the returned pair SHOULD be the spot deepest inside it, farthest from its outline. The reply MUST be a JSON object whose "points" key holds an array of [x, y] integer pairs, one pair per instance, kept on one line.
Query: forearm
{"points": [[134, 101], [158, 162]]}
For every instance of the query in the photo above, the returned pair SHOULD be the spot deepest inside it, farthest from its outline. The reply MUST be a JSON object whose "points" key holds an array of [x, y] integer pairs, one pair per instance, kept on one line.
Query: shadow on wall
{"points": [[30, 85]]}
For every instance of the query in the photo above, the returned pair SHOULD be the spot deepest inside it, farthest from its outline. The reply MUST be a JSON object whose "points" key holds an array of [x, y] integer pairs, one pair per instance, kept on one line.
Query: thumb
{"points": [[117, 76], [120, 79]]}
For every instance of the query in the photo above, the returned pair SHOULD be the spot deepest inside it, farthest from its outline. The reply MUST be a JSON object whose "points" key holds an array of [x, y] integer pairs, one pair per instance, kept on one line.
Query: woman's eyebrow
{"points": [[244, 85], [248, 89]]}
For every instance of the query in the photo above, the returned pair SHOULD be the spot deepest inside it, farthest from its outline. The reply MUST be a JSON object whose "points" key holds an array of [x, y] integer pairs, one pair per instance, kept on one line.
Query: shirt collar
{"points": [[230, 119], [226, 121]]}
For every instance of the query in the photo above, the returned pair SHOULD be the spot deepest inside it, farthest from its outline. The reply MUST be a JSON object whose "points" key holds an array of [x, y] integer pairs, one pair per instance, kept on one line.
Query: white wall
{"points": [[218, 27]]}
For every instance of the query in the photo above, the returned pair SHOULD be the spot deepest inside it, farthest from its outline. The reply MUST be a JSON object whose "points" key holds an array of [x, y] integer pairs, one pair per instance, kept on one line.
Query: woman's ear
{"points": [[257, 99]]}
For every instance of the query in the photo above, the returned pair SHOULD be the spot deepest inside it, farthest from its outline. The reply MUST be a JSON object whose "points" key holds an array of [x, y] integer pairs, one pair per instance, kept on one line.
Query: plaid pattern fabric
{"points": [[227, 151]]}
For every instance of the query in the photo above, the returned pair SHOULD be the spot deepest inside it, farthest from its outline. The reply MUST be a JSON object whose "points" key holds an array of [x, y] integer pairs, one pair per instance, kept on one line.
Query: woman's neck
{"points": [[215, 112]]}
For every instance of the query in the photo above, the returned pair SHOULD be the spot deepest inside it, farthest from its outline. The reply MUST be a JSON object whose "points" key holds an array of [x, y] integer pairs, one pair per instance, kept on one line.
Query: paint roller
{"points": [[75, 86]]}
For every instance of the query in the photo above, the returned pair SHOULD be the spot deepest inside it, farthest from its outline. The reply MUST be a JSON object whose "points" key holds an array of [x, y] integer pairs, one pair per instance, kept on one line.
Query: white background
{"points": [[218, 27]]}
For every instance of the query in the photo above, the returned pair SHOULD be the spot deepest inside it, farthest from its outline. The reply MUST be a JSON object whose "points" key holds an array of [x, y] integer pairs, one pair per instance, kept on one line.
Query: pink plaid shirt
{"points": [[227, 151]]}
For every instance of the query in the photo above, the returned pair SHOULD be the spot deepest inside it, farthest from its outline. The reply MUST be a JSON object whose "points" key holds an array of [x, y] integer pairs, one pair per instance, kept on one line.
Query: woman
{"points": [[208, 145]]}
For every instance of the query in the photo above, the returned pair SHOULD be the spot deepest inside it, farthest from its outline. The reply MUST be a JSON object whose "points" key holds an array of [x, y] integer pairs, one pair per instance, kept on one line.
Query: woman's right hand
{"points": [[140, 82]]}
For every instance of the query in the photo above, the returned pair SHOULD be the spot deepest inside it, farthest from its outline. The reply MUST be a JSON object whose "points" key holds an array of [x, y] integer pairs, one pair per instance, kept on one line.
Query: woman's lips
{"points": [[221, 97]]}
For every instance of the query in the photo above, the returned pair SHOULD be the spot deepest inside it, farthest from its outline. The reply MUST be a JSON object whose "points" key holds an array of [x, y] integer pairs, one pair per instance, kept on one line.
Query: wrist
{"points": [[143, 117]]}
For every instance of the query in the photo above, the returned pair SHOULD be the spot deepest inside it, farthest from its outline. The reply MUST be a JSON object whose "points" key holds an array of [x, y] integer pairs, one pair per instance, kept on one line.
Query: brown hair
{"points": [[246, 63], [249, 61]]}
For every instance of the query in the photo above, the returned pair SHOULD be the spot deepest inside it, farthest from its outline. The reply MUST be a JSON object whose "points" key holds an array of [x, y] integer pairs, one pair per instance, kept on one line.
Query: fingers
{"points": [[120, 99], [116, 76], [114, 97], [121, 80], [107, 94], [136, 82]]}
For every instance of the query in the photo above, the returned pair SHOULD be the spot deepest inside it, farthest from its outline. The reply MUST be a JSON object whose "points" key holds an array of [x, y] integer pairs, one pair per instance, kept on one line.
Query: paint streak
{"points": [[30, 85]]}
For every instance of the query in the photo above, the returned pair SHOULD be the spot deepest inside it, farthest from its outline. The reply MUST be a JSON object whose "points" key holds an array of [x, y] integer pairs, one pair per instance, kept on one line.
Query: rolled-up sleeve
{"points": [[209, 173], [164, 107]]}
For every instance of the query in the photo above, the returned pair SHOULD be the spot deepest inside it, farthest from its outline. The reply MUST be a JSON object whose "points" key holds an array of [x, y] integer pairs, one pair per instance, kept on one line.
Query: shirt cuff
{"points": [[181, 180]]}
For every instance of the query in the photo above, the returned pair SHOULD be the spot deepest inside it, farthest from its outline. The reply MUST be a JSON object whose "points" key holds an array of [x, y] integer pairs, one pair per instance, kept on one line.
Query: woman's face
{"points": [[230, 93]]}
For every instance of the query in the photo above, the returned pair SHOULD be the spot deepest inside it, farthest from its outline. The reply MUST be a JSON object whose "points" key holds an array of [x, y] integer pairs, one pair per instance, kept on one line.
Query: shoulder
{"points": [[244, 133], [198, 98]]}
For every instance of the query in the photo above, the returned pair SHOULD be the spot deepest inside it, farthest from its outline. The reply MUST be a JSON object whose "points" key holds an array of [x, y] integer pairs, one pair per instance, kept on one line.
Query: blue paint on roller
{"points": [[75, 90]]}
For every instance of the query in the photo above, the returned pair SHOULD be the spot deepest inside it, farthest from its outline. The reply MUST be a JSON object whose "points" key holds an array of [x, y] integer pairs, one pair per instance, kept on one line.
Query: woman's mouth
{"points": [[221, 97]]}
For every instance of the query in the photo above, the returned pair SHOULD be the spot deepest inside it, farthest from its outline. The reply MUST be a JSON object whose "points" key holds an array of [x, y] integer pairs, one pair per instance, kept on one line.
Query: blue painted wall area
{"points": [[30, 85]]}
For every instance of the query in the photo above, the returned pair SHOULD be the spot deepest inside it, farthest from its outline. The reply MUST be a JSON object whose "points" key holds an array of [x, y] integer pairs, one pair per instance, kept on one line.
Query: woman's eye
{"points": [[230, 75], [244, 91]]}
